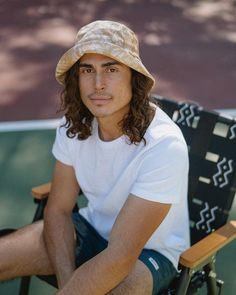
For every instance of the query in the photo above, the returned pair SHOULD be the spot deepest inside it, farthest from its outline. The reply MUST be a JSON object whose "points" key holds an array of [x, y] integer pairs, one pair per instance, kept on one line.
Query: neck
{"points": [[108, 131], [108, 126]]}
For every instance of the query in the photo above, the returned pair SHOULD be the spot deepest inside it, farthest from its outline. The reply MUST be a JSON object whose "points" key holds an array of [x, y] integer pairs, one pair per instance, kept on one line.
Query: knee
{"points": [[5, 253], [137, 283], [125, 288]]}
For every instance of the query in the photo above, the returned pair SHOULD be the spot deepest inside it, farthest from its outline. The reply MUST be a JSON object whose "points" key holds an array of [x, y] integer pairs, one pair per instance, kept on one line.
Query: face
{"points": [[105, 86]]}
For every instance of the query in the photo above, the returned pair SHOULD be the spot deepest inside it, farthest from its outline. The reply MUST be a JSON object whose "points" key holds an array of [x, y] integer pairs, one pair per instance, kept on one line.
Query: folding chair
{"points": [[211, 140]]}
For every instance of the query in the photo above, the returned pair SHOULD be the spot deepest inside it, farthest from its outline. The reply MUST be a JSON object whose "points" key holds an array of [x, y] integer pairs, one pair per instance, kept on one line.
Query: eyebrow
{"points": [[107, 64]]}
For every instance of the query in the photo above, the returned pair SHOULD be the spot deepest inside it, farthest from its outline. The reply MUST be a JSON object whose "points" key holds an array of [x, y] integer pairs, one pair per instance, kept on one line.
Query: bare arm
{"points": [[58, 226], [135, 224]]}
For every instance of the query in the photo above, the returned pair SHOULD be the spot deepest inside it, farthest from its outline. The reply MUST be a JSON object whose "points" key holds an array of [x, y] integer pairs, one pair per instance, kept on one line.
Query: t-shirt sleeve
{"points": [[62, 145], [163, 173]]}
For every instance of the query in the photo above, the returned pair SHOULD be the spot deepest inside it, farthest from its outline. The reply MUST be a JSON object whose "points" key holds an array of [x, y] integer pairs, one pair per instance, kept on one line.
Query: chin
{"points": [[100, 116], [100, 113]]}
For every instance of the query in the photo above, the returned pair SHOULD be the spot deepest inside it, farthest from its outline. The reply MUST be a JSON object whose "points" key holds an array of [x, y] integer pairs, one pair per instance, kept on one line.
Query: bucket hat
{"points": [[108, 38]]}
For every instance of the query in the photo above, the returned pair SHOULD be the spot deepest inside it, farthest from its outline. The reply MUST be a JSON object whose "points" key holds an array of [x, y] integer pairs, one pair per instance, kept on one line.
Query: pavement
{"points": [[189, 46]]}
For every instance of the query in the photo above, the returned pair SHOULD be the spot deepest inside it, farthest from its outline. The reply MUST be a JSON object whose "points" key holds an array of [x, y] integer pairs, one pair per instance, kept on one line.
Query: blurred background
{"points": [[189, 46]]}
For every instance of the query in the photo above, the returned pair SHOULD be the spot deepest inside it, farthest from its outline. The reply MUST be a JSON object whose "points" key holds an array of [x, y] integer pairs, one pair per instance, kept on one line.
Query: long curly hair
{"points": [[79, 118]]}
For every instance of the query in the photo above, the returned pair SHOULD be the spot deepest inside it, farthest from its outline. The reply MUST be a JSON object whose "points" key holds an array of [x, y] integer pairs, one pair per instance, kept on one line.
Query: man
{"points": [[129, 159]]}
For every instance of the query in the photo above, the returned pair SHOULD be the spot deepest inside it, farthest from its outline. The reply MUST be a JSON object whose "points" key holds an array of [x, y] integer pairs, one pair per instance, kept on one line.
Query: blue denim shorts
{"points": [[90, 243]]}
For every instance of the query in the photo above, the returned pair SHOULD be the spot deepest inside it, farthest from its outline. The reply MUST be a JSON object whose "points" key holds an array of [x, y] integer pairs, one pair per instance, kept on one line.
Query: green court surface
{"points": [[26, 161]]}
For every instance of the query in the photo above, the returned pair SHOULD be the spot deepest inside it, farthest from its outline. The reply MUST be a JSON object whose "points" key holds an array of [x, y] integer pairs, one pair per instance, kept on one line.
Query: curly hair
{"points": [[79, 118]]}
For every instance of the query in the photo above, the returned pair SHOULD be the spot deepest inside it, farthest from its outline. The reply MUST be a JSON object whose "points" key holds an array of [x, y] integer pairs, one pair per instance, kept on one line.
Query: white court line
{"points": [[230, 112], [11, 126]]}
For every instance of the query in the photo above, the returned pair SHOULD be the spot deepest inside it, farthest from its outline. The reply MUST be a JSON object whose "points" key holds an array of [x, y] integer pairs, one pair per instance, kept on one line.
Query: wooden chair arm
{"points": [[208, 246], [42, 191]]}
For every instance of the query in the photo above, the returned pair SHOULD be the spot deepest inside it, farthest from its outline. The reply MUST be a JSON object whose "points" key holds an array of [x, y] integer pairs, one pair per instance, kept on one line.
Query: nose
{"points": [[99, 82]]}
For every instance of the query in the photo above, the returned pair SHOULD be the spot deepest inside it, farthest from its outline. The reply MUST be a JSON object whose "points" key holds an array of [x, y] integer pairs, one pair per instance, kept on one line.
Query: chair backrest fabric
{"points": [[211, 140]]}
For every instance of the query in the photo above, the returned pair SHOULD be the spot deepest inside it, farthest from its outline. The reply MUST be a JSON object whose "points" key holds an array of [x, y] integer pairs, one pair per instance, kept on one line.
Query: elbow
{"points": [[122, 259]]}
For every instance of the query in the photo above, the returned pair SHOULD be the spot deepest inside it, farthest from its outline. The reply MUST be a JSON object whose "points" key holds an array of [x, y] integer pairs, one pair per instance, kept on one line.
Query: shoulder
{"points": [[165, 144], [72, 141], [163, 130], [63, 137], [62, 126]]}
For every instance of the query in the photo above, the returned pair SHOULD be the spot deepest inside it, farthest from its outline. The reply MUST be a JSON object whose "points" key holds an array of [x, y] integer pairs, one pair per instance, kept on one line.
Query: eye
{"points": [[86, 70], [111, 70]]}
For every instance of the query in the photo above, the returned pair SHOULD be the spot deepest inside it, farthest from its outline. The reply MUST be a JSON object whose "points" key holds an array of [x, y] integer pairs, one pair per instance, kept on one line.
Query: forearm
{"points": [[99, 275], [60, 243]]}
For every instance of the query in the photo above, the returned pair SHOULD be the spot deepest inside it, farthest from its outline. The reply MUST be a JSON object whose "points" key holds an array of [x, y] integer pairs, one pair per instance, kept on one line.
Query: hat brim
{"points": [[126, 57]]}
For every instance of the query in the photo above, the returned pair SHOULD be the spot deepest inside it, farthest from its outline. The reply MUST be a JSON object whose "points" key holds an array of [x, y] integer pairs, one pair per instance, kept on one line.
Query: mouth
{"points": [[100, 99]]}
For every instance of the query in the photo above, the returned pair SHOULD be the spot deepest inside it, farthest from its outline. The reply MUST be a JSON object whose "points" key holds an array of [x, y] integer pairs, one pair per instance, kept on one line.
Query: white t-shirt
{"points": [[107, 172]]}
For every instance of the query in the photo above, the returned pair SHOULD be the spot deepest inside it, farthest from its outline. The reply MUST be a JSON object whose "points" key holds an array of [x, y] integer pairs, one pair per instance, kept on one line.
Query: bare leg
{"points": [[138, 282], [24, 253]]}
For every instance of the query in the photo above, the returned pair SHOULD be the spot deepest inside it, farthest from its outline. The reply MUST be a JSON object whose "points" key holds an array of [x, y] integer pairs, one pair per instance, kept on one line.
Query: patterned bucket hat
{"points": [[109, 38]]}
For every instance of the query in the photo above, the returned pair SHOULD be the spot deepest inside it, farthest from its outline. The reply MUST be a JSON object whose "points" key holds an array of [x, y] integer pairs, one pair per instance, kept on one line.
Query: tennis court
{"points": [[26, 161]]}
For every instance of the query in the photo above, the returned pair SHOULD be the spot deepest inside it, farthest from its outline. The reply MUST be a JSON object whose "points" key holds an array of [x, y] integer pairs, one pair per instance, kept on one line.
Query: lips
{"points": [[99, 96], [100, 99]]}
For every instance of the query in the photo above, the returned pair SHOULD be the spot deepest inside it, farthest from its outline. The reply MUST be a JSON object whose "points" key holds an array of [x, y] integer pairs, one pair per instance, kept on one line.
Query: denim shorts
{"points": [[90, 243]]}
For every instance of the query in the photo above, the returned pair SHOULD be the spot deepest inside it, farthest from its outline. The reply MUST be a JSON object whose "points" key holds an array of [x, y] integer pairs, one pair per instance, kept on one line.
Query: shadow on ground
{"points": [[188, 45]]}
